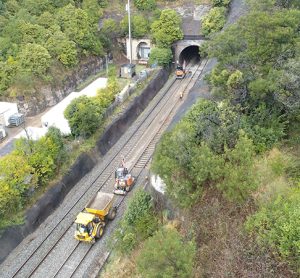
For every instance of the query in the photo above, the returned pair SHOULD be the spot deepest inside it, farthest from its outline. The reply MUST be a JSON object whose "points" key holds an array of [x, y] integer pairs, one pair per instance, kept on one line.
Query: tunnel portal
{"points": [[189, 55]]}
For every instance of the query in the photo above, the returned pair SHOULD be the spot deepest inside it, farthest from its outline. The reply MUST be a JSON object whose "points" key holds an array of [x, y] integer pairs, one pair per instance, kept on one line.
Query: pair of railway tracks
{"points": [[137, 149]]}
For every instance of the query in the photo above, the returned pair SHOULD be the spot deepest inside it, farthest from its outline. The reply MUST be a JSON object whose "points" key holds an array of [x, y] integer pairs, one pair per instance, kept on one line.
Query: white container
{"points": [[6, 110]]}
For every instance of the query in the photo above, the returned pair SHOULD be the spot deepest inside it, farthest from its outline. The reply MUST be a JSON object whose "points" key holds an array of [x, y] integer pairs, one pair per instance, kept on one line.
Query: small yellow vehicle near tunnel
{"points": [[91, 222]]}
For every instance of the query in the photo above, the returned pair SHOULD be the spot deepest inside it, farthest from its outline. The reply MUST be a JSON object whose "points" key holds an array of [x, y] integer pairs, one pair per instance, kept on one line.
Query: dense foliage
{"points": [[166, 255], [139, 222], [219, 144], [145, 5], [39, 36], [277, 225], [166, 29], [160, 56], [29, 166], [214, 20], [140, 26], [206, 148]]}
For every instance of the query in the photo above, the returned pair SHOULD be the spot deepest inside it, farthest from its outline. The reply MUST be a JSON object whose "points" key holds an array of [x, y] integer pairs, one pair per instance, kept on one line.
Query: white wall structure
{"points": [[140, 49], [33, 133], [55, 116], [6, 110]]}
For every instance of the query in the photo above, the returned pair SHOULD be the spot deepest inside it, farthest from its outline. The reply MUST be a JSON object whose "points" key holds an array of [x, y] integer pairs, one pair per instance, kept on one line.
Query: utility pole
{"points": [[129, 31]]}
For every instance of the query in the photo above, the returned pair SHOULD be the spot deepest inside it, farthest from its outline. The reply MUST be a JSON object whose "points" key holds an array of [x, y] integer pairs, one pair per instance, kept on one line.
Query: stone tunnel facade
{"points": [[179, 46]]}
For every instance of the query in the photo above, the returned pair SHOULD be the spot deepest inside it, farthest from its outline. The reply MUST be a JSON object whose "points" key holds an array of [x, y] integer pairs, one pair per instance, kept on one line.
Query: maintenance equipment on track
{"points": [[124, 181], [91, 222], [180, 72]]}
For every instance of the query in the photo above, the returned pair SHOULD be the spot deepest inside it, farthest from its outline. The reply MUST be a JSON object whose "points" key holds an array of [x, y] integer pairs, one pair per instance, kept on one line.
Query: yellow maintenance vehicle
{"points": [[91, 222], [180, 72]]}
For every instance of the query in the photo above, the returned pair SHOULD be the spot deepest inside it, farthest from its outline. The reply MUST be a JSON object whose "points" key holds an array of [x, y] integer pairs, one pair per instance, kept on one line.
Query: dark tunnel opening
{"points": [[189, 55]]}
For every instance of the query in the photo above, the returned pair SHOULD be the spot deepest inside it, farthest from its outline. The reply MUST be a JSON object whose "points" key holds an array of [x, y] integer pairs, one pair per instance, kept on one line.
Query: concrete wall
{"points": [[179, 46], [120, 125], [11, 237], [135, 44]]}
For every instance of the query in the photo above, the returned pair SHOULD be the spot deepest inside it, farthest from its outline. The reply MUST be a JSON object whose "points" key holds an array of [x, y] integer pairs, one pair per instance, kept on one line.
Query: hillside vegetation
{"points": [[39, 38], [43, 41], [244, 147], [232, 163]]}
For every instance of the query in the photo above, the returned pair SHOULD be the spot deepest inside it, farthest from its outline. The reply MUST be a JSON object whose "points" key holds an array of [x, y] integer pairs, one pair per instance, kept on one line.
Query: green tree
{"points": [[75, 24], [161, 56], [214, 20], [166, 29], [238, 173], [15, 172], [84, 116], [36, 7], [107, 95], [185, 165], [145, 5], [47, 20], [138, 223], [63, 49], [110, 28], [93, 10], [41, 155], [34, 58], [139, 26], [167, 255], [10, 203]]}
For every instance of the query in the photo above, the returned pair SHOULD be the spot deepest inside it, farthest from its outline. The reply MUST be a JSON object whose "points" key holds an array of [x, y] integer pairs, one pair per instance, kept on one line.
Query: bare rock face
{"points": [[49, 95]]}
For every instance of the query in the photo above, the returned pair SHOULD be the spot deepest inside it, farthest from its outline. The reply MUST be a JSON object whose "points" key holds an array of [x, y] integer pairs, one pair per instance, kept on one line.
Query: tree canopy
{"points": [[166, 29], [36, 36]]}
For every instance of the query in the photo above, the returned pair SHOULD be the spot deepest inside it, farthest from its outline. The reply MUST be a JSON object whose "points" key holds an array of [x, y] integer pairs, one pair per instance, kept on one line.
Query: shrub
{"points": [[138, 222], [184, 165], [238, 172], [277, 225], [161, 56], [214, 20], [145, 5], [166, 254], [84, 116]]}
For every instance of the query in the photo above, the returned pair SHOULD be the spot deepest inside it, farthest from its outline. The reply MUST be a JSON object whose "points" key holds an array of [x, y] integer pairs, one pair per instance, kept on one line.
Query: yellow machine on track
{"points": [[91, 222], [180, 72]]}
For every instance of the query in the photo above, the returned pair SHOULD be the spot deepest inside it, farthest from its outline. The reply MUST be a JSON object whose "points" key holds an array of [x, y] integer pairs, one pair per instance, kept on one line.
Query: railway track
{"points": [[137, 148]]}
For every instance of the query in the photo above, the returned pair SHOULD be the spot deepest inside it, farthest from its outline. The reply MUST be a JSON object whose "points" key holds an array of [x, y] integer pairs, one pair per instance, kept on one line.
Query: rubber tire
{"points": [[100, 231], [112, 214]]}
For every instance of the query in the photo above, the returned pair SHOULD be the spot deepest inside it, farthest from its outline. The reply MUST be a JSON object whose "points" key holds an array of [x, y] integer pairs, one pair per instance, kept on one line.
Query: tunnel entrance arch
{"points": [[183, 47], [189, 54]]}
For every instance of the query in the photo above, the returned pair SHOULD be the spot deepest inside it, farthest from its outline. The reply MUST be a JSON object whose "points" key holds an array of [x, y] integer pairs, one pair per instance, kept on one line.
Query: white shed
{"points": [[6, 110]]}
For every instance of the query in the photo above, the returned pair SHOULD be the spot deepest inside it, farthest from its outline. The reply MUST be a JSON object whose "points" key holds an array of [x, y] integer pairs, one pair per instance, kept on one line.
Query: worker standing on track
{"points": [[181, 94]]}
